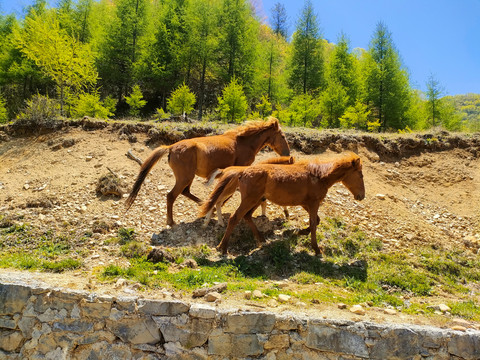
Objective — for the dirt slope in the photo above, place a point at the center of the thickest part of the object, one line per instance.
(414, 196)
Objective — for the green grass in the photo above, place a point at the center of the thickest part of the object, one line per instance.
(354, 269)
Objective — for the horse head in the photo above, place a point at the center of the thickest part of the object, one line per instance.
(353, 179)
(277, 140)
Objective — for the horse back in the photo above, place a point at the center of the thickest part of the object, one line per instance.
(203, 154)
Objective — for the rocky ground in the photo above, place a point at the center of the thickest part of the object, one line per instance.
(420, 190)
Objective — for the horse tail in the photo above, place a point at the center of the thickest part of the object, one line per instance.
(144, 170)
(218, 191)
(216, 173)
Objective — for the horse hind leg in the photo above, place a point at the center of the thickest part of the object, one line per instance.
(186, 192)
(248, 218)
(239, 214)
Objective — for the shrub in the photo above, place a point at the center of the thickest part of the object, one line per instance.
(40, 109)
(135, 101)
(232, 105)
(181, 101)
(91, 105)
(3, 111)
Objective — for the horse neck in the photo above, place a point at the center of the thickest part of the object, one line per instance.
(338, 173)
(249, 146)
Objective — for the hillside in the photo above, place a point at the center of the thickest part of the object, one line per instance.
(423, 191)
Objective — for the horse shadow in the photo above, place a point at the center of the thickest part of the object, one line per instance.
(276, 259)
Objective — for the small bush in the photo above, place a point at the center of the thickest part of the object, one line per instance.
(133, 249)
(126, 235)
(135, 101)
(3, 111)
(40, 109)
(91, 105)
(181, 101)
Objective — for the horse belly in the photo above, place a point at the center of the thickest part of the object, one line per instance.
(212, 156)
(285, 193)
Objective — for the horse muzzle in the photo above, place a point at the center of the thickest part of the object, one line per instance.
(359, 196)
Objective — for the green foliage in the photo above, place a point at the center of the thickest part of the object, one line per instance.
(62, 57)
(40, 110)
(304, 111)
(90, 105)
(355, 116)
(133, 249)
(181, 100)
(126, 235)
(3, 111)
(386, 82)
(264, 108)
(232, 105)
(307, 60)
(68, 50)
(135, 101)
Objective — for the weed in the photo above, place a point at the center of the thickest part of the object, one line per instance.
(133, 249)
(125, 235)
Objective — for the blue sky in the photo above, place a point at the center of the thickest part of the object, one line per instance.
(439, 37)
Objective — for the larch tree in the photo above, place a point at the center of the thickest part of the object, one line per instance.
(203, 41)
(307, 62)
(387, 86)
(60, 56)
(279, 20)
(434, 94)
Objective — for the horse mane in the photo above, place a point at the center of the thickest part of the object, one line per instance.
(253, 127)
(327, 166)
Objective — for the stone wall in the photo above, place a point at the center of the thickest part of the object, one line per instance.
(38, 322)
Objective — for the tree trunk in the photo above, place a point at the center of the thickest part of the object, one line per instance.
(202, 89)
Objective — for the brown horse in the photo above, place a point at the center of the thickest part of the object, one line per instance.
(233, 185)
(201, 156)
(304, 183)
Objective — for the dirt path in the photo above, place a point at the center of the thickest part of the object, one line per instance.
(49, 181)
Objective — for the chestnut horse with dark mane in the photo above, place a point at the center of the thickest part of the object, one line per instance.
(233, 185)
(304, 183)
(202, 155)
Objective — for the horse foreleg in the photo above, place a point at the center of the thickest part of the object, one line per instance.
(314, 220)
(285, 211)
(248, 218)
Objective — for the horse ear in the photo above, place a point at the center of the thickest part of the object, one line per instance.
(356, 163)
(291, 160)
(274, 123)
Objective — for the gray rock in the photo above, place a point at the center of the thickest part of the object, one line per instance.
(162, 308)
(73, 326)
(250, 323)
(465, 346)
(189, 332)
(102, 350)
(135, 330)
(337, 340)
(10, 340)
(13, 298)
(234, 345)
(202, 311)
